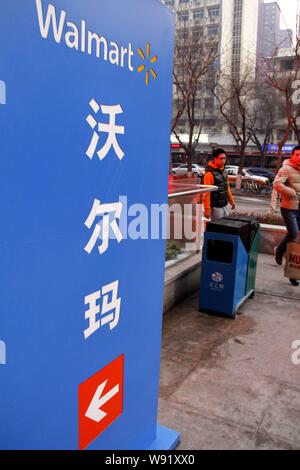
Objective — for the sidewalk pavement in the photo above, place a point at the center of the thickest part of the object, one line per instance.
(231, 384)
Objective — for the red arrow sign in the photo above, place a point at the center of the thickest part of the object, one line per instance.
(100, 401)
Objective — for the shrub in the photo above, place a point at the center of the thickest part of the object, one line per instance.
(172, 251)
(269, 218)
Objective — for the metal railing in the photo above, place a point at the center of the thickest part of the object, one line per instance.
(186, 214)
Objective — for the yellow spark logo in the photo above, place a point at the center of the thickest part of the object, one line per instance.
(143, 66)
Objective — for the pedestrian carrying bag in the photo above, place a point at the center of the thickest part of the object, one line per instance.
(292, 265)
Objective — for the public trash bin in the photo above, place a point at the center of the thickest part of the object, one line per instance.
(229, 264)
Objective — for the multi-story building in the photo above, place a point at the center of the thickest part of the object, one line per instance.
(270, 37)
(286, 39)
(269, 29)
(285, 71)
(234, 25)
(239, 34)
(236, 21)
(198, 22)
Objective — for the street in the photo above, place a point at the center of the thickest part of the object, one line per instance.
(252, 203)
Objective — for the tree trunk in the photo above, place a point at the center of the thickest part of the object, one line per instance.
(281, 144)
(279, 156)
(190, 159)
(297, 133)
(170, 164)
(238, 184)
(242, 157)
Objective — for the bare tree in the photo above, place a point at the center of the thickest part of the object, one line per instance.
(235, 95)
(196, 62)
(263, 118)
(282, 73)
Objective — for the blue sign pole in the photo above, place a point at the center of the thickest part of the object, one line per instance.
(85, 92)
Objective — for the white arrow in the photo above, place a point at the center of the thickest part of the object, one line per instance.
(94, 412)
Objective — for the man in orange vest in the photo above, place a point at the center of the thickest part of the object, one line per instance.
(215, 204)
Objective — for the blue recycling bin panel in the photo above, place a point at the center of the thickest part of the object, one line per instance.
(223, 274)
(85, 112)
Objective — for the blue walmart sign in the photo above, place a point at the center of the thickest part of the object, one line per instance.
(83, 338)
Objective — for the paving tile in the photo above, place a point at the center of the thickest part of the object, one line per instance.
(282, 418)
(203, 433)
(265, 442)
(208, 433)
(175, 369)
(253, 355)
(270, 279)
(240, 398)
(291, 373)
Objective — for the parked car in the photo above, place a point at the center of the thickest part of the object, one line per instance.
(175, 165)
(262, 172)
(231, 167)
(247, 176)
(197, 170)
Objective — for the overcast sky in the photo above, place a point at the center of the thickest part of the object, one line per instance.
(289, 10)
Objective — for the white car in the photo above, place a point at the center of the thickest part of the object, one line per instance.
(232, 172)
(197, 170)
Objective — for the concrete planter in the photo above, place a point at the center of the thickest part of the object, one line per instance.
(181, 280)
(271, 236)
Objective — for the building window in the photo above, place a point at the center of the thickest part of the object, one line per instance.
(180, 71)
(170, 3)
(214, 11)
(198, 14)
(197, 34)
(212, 30)
(287, 65)
(179, 104)
(183, 51)
(183, 35)
(209, 105)
(183, 16)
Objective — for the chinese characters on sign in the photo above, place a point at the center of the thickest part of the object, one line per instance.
(110, 311)
(103, 210)
(217, 284)
(109, 214)
(111, 129)
(104, 305)
(216, 287)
